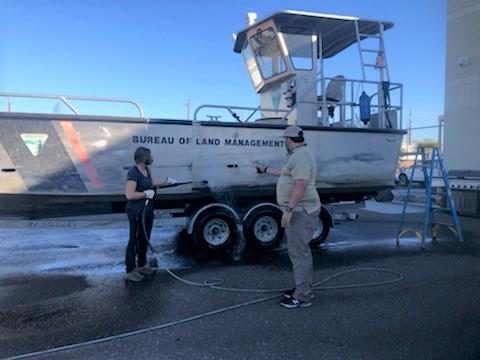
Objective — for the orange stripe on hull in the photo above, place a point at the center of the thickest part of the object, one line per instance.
(81, 153)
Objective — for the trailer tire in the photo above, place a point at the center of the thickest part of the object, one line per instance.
(403, 179)
(214, 230)
(322, 232)
(263, 229)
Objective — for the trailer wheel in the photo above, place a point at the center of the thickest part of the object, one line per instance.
(321, 232)
(214, 230)
(263, 227)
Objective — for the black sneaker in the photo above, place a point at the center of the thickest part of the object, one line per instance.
(293, 303)
(289, 293)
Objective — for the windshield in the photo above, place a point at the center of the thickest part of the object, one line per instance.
(252, 66)
(300, 46)
(267, 52)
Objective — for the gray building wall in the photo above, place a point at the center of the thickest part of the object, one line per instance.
(462, 93)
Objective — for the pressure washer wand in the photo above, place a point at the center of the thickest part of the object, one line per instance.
(173, 185)
(203, 182)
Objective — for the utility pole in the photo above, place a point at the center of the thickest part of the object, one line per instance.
(409, 129)
(187, 104)
(440, 132)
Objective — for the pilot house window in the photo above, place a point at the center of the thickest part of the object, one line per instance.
(300, 46)
(267, 52)
(252, 66)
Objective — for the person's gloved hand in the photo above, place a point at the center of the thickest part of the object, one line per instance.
(149, 194)
(261, 169)
(171, 181)
(286, 218)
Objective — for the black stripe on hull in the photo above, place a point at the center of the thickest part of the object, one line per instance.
(45, 206)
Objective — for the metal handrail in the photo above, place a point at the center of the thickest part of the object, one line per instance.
(352, 81)
(350, 103)
(230, 109)
(65, 98)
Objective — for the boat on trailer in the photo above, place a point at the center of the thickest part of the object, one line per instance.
(54, 164)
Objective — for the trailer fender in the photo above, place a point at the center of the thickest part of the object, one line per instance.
(253, 208)
(199, 212)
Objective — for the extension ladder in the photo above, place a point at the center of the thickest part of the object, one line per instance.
(428, 167)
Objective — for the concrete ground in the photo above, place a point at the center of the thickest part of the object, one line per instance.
(61, 283)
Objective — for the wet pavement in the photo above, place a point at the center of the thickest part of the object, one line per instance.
(61, 283)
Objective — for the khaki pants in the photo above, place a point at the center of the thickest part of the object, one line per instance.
(299, 235)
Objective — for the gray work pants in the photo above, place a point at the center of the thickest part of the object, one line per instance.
(299, 235)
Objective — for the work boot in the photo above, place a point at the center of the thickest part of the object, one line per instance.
(134, 276)
(147, 270)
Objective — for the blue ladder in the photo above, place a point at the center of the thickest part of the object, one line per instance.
(428, 167)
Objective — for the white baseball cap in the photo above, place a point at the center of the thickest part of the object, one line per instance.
(293, 131)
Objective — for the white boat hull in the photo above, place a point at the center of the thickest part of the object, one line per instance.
(91, 156)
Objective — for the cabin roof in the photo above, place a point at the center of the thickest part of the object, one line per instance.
(337, 31)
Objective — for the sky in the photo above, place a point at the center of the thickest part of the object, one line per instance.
(162, 53)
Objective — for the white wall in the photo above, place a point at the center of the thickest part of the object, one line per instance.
(462, 93)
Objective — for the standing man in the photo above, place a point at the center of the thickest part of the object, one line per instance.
(299, 200)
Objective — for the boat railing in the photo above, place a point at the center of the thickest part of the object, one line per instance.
(383, 110)
(66, 99)
(350, 100)
(231, 109)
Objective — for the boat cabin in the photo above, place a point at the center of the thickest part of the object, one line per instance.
(285, 54)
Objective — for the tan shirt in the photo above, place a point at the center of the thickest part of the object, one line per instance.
(301, 165)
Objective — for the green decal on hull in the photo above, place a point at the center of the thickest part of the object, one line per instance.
(34, 142)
